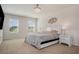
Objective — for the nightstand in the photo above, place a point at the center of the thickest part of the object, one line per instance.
(64, 38)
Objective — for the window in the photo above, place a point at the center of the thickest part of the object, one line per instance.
(14, 25)
(32, 25)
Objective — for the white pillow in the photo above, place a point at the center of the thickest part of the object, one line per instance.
(49, 29)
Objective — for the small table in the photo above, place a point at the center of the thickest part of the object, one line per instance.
(64, 38)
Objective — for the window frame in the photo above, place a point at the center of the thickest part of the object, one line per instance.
(11, 19)
(36, 24)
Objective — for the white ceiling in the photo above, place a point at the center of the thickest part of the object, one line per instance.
(27, 9)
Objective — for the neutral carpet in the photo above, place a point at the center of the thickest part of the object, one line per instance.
(17, 46)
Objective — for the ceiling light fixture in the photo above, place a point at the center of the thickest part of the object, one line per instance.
(37, 9)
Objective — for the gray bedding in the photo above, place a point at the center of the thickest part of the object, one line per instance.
(36, 38)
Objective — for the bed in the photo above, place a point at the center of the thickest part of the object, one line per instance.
(42, 39)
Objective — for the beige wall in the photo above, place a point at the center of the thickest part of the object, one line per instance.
(70, 20)
(22, 28)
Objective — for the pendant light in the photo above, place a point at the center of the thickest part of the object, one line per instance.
(37, 9)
